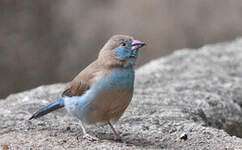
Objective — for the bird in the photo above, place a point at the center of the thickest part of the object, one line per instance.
(102, 91)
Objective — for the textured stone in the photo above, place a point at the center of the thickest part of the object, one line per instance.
(197, 92)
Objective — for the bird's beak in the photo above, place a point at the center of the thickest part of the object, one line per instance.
(137, 44)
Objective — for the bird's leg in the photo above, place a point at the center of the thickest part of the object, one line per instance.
(118, 138)
(86, 135)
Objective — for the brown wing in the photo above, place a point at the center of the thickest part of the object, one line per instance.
(82, 81)
(75, 89)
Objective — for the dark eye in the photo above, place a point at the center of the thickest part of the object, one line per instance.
(123, 44)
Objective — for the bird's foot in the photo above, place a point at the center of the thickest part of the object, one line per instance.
(90, 137)
(118, 139)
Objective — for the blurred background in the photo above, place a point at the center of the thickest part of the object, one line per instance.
(44, 42)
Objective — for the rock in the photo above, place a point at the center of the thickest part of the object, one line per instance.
(197, 92)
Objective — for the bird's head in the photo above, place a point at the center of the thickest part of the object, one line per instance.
(121, 50)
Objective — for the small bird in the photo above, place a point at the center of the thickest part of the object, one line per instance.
(102, 91)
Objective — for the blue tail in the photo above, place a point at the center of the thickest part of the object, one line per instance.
(49, 108)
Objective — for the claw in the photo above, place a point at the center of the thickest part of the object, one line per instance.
(90, 137)
(118, 139)
(117, 136)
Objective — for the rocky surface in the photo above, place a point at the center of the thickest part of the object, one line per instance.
(198, 92)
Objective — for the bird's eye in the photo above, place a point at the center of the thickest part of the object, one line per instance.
(123, 44)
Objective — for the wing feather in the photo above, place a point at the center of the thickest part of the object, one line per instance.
(83, 81)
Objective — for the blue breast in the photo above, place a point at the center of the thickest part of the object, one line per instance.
(118, 79)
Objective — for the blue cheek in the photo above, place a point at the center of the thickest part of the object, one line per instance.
(122, 52)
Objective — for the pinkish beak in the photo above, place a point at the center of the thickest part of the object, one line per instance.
(136, 45)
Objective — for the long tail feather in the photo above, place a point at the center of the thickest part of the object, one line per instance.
(49, 108)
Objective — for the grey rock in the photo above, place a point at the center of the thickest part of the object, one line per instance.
(197, 92)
